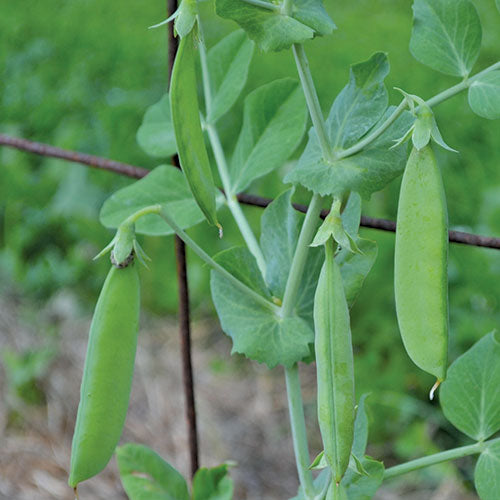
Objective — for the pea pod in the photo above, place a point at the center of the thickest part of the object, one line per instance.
(187, 126)
(334, 366)
(107, 376)
(421, 254)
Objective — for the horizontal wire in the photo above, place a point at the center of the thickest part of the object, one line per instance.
(247, 199)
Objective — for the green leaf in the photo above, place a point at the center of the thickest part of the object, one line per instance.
(191, 148)
(366, 172)
(351, 216)
(487, 473)
(320, 462)
(186, 17)
(273, 31)
(498, 5)
(446, 35)
(484, 95)
(359, 108)
(320, 484)
(228, 64)
(156, 134)
(360, 486)
(361, 103)
(355, 267)
(360, 429)
(281, 225)
(274, 121)
(470, 396)
(146, 476)
(165, 185)
(213, 484)
(256, 331)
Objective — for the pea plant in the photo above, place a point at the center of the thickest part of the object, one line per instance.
(285, 297)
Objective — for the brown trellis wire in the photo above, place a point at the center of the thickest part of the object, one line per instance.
(183, 290)
(247, 199)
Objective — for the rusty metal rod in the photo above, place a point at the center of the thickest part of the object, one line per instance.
(183, 291)
(247, 199)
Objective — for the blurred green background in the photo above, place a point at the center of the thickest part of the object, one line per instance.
(79, 74)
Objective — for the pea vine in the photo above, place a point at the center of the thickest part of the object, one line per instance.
(285, 298)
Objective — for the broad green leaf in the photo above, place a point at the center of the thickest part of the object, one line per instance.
(360, 486)
(360, 429)
(470, 395)
(484, 95)
(273, 31)
(361, 103)
(186, 17)
(191, 148)
(334, 366)
(156, 134)
(351, 216)
(146, 476)
(446, 35)
(165, 185)
(498, 5)
(228, 64)
(274, 121)
(213, 484)
(366, 172)
(487, 473)
(355, 267)
(256, 331)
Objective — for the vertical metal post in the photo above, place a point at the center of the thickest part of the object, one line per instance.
(184, 319)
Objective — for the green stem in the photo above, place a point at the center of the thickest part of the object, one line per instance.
(296, 409)
(222, 166)
(312, 101)
(433, 101)
(300, 256)
(263, 4)
(132, 219)
(438, 458)
(217, 267)
(287, 7)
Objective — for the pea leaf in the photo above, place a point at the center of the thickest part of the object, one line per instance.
(366, 172)
(213, 484)
(487, 473)
(228, 64)
(273, 31)
(360, 106)
(470, 396)
(360, 429)
(256, 331)
(355, 267)
(498, 5)
(360, 486)
(274, 121)
(446, 35)
(165, 185)
(146, 476)
(361, 103)
(156, 134)
(484, 95)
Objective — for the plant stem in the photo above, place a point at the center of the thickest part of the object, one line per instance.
(231, 200)
(263, 4)
(222, 166)
(437, 458)
(312, 101)
(287, 7)
(297, 421)
(433, 101)
(300, 256)
(217, 267)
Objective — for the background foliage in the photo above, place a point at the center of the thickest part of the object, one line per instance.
(80, 74)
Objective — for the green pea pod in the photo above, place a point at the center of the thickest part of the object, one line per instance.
(421, 254)
(334, 366)
(107, 376)
(188, 134)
